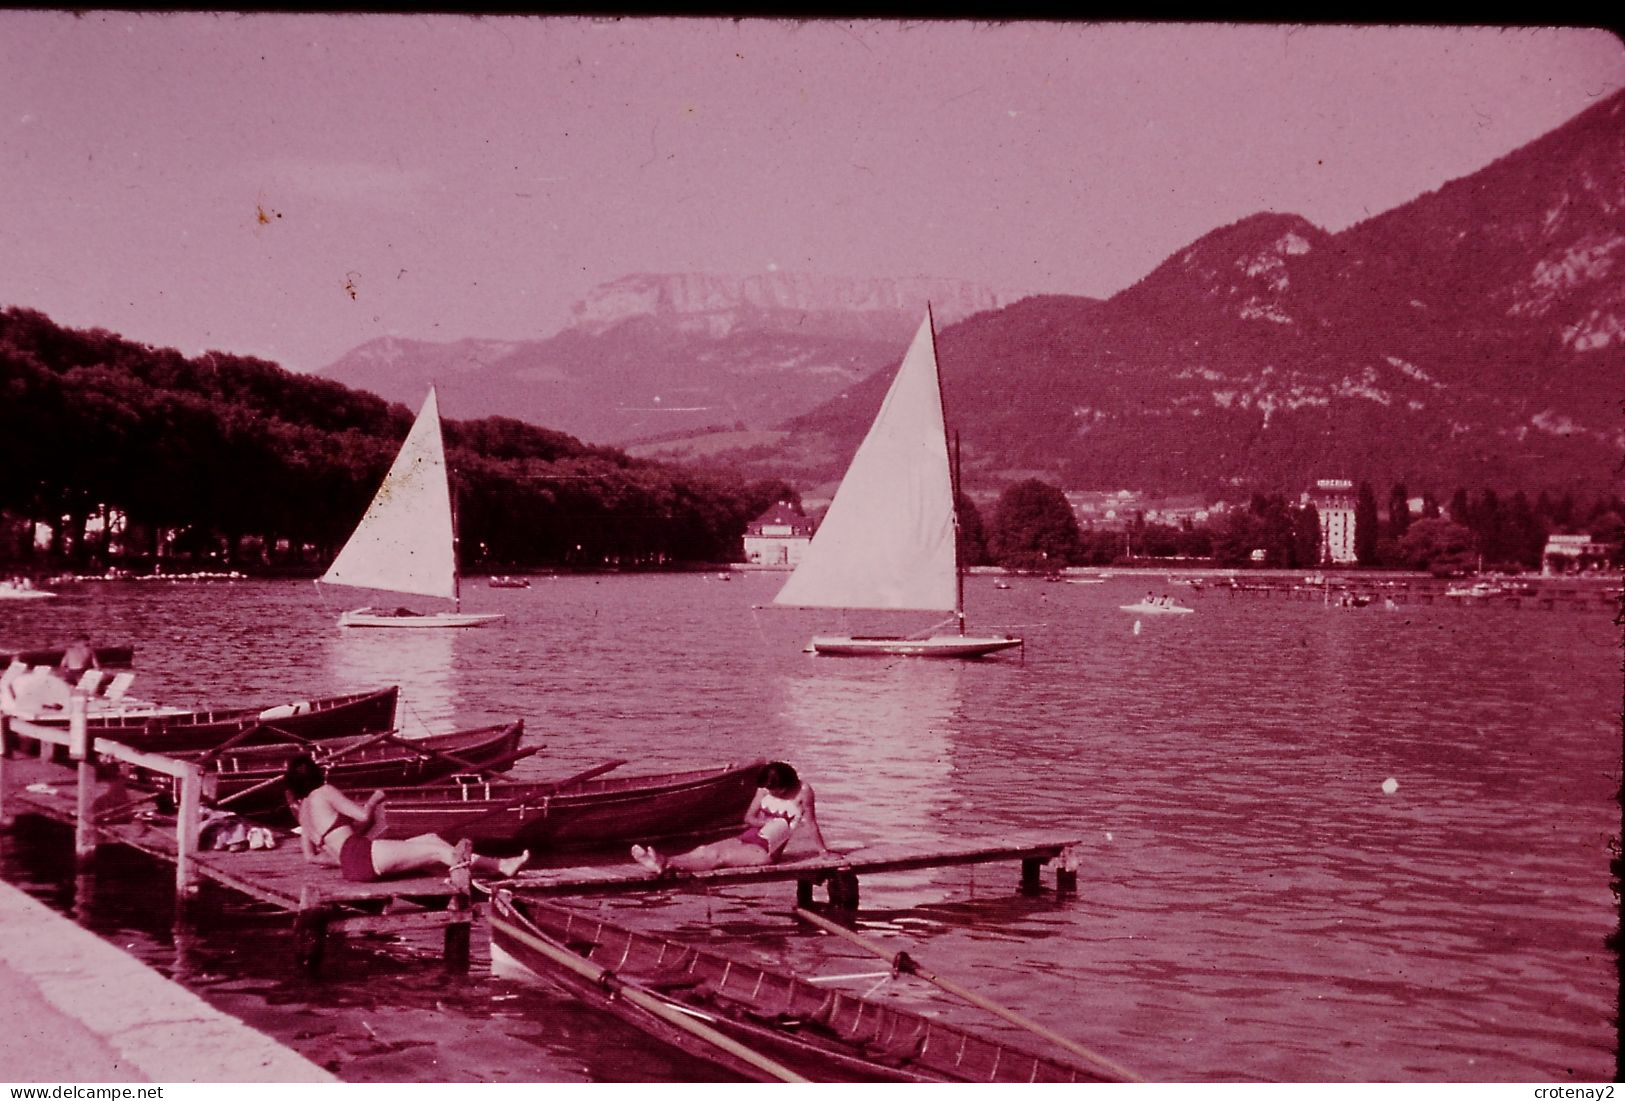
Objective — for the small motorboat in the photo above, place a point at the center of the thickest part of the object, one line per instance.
(23, 590)
(1158, 607)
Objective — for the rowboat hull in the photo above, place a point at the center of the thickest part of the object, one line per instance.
(591, 814)
(408, 621)
(1157, 609)
(199, 731)
(244, 780)
(822, 1034)
(938, 646)
(179, 732)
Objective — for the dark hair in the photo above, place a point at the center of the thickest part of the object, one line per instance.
(303, 776)
(778, 776)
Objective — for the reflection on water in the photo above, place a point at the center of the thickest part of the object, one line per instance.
(1253, 902)
(420, 661)
(876, 736)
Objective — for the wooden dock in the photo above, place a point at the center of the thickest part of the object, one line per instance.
(1375, 591)
(839, 872)
(319, 899)
(322, 902)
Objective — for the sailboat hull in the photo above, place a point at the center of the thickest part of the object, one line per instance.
(372, 617)
(938, 646)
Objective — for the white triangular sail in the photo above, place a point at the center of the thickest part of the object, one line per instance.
(888, 538)
(404, 543)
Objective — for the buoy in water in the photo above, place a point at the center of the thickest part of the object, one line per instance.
(1136, 626)
(1389, 786)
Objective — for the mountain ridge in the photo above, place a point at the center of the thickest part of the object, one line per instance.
(653, 354)
(1474, 335)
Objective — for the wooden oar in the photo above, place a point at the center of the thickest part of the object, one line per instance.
(674, 1017)
(506, 761)
(230, 743)
(325, 762)
(903, 962)
(439, 754)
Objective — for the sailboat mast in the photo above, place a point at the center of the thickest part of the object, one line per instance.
(952, 457)
(451, 495)
(959, 565)
(456, 573)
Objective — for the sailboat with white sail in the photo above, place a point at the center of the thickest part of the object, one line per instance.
(407, 539)
(890, 538)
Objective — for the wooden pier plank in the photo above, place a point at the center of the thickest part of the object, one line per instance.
(595, 879)
(278, 876)
(321, 900)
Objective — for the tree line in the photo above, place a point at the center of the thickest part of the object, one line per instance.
(126, 452)
(1033, 528)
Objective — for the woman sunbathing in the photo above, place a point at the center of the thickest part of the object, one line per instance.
(782, 807)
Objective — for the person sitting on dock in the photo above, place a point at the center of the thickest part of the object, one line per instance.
(781, 808)
(78, 657)
(333, 825)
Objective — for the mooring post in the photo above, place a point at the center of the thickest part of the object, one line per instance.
(459, 933)
(1066, 872)
(84, 819)
(5, 755)
(804, 892)
(310, 929)
(1032, 880)
(186, 831)
(843, 890)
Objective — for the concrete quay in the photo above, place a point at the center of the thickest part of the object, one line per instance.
(76, 1010)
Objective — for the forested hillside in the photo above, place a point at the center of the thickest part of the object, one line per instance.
(1474, 336)
(236, 460)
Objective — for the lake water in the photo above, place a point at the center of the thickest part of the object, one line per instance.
(1252, 904)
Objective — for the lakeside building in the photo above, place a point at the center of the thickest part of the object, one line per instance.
(1567, 554)
(1333, 499)
(1098, 510)
(778, 537)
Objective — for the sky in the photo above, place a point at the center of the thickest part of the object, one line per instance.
(291, 186)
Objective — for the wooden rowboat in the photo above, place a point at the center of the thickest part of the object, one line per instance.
(345, 716)
(178, 732)
(760, 1024)
(248, 780)
(577, 814)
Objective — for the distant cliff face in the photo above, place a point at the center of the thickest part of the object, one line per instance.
(1473, 337)
(719, 306)
(657, 355)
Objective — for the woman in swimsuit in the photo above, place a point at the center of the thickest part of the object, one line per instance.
(332, 828)
(781, 808)
(79, 656)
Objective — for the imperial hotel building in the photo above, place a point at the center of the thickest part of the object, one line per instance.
(1333, 499)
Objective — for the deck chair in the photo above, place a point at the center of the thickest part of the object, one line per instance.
(119, 685)
(89, 681)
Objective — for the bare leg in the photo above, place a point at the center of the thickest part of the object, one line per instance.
(392, 858)
(731, 853)
(428, 850)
